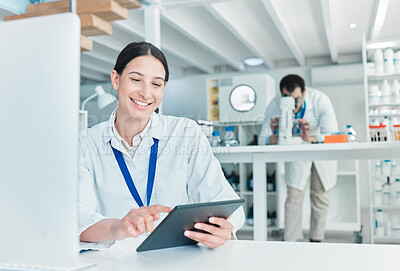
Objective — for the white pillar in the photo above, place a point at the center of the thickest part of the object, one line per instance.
(152, 29)
(152, 25)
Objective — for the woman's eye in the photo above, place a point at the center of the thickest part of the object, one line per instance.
(135, 79)
(157, 84)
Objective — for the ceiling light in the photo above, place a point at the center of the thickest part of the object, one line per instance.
(253, 61)
(352, 25)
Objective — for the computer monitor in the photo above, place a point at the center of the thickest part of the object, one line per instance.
(39, 103)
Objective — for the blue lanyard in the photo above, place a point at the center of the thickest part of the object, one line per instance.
(150, 176)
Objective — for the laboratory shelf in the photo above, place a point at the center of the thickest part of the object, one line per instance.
(379, 77)
(386, 239)
(384, 104)
(384, 115)
(381, 44)
(346, 173)
(387, 207)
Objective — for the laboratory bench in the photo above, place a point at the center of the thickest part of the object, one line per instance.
(258, 156)
(247, 255)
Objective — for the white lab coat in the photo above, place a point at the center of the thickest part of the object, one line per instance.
(186, 171)
(321, 115)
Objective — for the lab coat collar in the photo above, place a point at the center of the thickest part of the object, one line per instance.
(156, 130)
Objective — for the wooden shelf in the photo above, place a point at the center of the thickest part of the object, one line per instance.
(86, 44)
(92, 25)
(129, 4)
(108, 10)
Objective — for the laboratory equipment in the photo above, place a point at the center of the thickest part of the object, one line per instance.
(373, 94)
(286, 120)
(216, 139)
(377, 193)
(397, 188)
(386, 193)
(395, 218)
(351, 133)
(378, 167)
(103, 100)
(229, 137)
(388, 60)
(386, 92)
(378, 60)
(379, 223)
(386, 168)
(396, 62)
(396, 91)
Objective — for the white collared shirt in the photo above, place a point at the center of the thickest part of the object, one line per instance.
(135, 140)
(186, 171)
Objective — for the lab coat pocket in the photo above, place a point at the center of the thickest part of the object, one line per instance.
(170, 187)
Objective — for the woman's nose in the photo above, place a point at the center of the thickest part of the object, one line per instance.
(145, 91)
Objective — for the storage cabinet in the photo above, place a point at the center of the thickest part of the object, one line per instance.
(382, 107)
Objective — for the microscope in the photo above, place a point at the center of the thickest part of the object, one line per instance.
(287, 122)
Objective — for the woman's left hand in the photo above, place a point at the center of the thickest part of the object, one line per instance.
(220, 232)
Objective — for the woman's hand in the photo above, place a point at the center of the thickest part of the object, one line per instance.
(219, 232)
(138, 221)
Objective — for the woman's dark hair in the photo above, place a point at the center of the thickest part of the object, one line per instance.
(136, 49)
(292, 81)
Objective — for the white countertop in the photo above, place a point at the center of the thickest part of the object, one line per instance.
(248, 255)
(333, 151)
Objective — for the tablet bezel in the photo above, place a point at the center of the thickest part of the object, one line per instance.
(170, 232)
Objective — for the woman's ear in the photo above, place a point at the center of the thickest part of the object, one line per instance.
(115, 79)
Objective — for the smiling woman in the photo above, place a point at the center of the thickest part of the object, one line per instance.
(136, 150)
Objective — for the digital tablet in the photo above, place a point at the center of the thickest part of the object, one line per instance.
(170, 232)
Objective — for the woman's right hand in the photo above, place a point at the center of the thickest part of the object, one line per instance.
(138, 221)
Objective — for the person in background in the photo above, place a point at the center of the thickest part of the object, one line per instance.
(316, 116)
(139, 164)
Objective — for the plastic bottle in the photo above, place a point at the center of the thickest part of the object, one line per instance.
(379, 223)
(216, 139)
(396, 91)
(351, 133)
(388, 60)
(396, 62)
(395, 218)
(393, 192)
(378, 60)
(250, 220)
(388, 226)
(377, 193)
(378, 167)
(386, 168)
(386, 193)
(386, 92)
(373, 94)
(229, 137)
(385, 130)
(394, 167)
(397, 188)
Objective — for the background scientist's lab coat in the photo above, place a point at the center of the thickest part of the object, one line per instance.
(321, 115)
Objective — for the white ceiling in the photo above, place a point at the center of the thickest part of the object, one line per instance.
(207, 36)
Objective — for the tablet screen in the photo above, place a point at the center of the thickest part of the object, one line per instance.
(170, 232)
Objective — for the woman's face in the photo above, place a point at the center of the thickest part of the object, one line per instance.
(140, 87)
